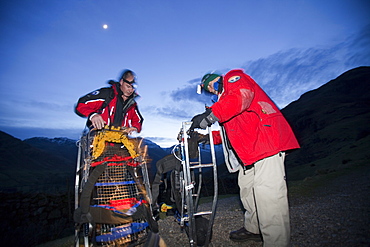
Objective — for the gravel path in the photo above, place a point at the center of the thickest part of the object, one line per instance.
(335, 215)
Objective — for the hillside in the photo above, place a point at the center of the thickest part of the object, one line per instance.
(332, 124)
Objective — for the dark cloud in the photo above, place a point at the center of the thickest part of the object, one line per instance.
(195, 81)
(190, 93)
(184, 102)
(181, 110)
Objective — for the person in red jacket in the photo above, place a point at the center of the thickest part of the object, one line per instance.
(113, 106)
(255, 136)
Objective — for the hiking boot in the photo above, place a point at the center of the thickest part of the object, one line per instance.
(242, 235)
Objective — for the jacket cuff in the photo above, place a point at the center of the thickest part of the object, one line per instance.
(211, 118)
(92, 114)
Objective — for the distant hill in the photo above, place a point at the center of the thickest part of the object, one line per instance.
(61, 147)
(155, 153)
(27, 168)
(67, 148)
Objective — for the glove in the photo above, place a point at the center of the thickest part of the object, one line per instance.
(203, 120)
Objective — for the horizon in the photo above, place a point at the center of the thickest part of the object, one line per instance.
(160, 141)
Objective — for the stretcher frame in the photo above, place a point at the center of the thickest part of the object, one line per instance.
(190, 191)
(134, 194)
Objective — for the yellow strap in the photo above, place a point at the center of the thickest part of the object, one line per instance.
(112, 135)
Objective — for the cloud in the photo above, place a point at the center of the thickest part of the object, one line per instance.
(29, 132)
(181, 110)
(182, 103)
(190, 93)
(360, 48)
(25, 113)
(38, 106)
(287, 74)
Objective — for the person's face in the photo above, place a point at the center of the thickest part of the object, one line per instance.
(210, 88)
(126, 88)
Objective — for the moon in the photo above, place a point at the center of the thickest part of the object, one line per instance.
(105, 26)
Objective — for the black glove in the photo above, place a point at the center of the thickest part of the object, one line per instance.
(203, 120)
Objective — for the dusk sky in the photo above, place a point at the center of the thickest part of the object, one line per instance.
(52, 52)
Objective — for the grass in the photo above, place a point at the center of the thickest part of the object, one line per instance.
(210, 198)
(309, 185)
(63, 242)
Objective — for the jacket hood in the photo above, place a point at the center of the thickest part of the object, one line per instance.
(234, 79)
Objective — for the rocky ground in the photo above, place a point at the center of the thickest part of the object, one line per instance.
(337, 214)
(334, 212)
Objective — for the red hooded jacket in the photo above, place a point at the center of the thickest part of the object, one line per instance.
(254, 125)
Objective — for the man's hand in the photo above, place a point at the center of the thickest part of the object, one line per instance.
(203, 120)
(97, 121)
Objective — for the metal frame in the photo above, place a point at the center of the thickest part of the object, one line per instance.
(82, 174)
(190, 191)
(83, 168)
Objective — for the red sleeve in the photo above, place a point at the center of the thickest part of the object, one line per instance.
(135, 119)
(87, 108)
(232, 104)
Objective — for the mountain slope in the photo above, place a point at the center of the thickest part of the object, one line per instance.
(332, 124)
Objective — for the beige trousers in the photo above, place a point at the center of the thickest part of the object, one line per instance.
(263, 192)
